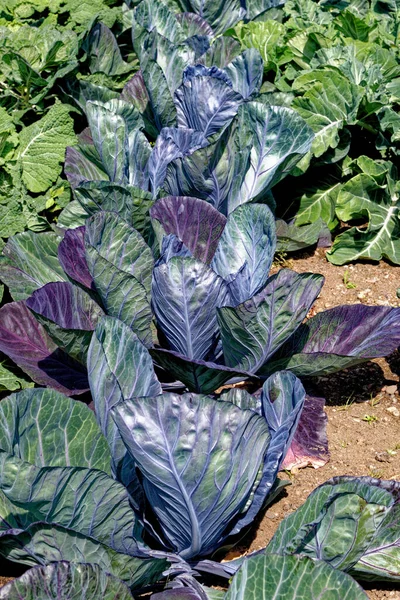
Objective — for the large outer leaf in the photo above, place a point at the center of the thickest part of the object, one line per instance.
(246, 250)
(220, 14)
(355, 517)
(193, 221)
(120, 263)
(12, 379)
(43, 543)
(72, 257)
(282, 401)
(338, 338)
(72, 216)
(275, 139)
(198, 375)
(181, 593)
(26, 342)
(139, 154)
(319, 201)
(119, 367)
(253, 331)
(185, 296)
(31, 262)
(291, 237)
(85, 500)
(208, 456)
(330, 102)
(103, 52)
(363, 197)
(43, 143)
(67, 305)
(111, 126)
(172, 143)
(90, 92)
(193, 25)
(66, 581)
(47, 429)
(68, 314)
(291, 578)
(206, 101)
(135, 92)
(159, 94)
(254, 8)
(246, 73)
(174, 59)
(210, 173)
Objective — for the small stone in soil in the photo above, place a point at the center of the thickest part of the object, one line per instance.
(382, 457)
(391, 389)
(394, 411)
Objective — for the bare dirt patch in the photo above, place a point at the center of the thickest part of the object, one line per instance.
(362, 403)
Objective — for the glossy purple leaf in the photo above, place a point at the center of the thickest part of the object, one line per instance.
(309, 446)
(71, 254)
(26, 342)
(206, 101)
(199, 459)
(338, 338)
(198, 375)
(253, 331)
(282, 400)
(193, 221)
(66, 305)
(185, 296)
(80, 166)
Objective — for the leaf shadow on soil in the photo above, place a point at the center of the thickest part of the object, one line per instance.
(357, 384)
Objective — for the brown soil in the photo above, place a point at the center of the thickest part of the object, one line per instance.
(364, 436)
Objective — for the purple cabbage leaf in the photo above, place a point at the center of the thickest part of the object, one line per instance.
(339, 338)
(309, 446)
(68, 314)
(26, 342)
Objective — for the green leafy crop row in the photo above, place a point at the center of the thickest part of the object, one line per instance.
(337, 64)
